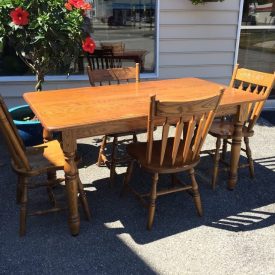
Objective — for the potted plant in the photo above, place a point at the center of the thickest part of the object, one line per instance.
(46, 35)
(196, 2)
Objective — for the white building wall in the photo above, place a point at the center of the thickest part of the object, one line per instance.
(194, 41)
(198, 40)
(12, 91)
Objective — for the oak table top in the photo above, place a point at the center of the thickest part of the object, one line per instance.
(92, 111)
(71, 108)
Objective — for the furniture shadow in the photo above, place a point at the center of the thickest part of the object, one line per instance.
(268, 117)
(251, 205)
(238, 210)
(89, 151)
(104, 244)
(88, 154)
(96, 250)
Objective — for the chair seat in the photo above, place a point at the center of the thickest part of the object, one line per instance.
(46, 156)
(225, 130)
(138, 152)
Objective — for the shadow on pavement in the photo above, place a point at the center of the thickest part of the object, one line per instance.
(48, 247)
(238, 210)
(101, 246)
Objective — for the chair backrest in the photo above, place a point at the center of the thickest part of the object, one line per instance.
(192, 119)
(251, 81)
(100, 76)
(113, 76)
(103, 59)
(116, 47)
(13, 140)
(127, 73)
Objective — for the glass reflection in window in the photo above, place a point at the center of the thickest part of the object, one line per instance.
(257, 39)
(125, 26)
(128, 28)
(260, 12)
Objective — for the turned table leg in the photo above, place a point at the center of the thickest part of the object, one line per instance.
(71, 181)
(235, 155)
(236, 145)
(48, 136)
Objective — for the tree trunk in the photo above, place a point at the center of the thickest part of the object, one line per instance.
(39, 81)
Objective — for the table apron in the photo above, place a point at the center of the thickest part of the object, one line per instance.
(129, 125)
(227, 110)
(105, 128)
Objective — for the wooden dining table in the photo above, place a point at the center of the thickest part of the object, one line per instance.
(92, 111)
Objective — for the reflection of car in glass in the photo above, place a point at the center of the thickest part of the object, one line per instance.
(150, 19)
(116, 20)
(110, 21)
(261, 14)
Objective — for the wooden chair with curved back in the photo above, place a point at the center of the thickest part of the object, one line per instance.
(246, 81)
(108, 77)
(103, 59)
(29, 162)
(175, 152)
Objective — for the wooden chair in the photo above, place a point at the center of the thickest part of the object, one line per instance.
(116, 47)
(113, 76)
(176, 152)
(103, 59)
(246, 81)
(29, 162)
(101, 77)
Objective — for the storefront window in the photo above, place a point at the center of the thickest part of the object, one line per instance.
(127, 26)
(257, 40)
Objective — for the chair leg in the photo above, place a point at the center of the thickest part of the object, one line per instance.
(19, 190)
(135, 138)
(101, 151)
(173, 180)
(152, 203)
(51, 196)
(51, 177)
(84, 200)
(216, 163)
(196, 194)
(224, 149)
(249, 157)
(127, 177)
(113, 162)
(23, 207)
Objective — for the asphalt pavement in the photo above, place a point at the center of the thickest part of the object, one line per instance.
(236, 235)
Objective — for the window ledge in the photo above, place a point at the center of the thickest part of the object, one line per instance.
(47, 78)
(59, 78)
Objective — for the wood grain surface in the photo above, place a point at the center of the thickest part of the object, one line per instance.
(74, 108)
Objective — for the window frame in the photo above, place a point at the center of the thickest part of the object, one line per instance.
(241, 27)
(84, 77)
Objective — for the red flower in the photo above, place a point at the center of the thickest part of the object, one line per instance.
(80, 4)
(88, 45)
(20, 16)
(86, 6)
(68, 6)
(76, 3)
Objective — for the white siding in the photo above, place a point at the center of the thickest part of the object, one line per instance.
(197, 40)
(12, 91)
